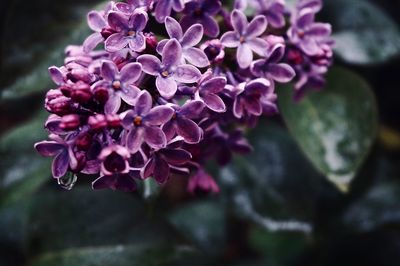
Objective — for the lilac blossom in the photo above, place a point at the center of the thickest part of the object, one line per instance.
(245, 37)
(164, 7)
(182, 124)
(214, 50)
(120, 84)
(201, 181)
(203, 12)
(143, 123)
(115, 170)
(129, 31)
(187, 40)
(97, 23)
(207, 90)
(170, 70)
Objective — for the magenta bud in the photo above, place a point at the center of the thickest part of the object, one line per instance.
(83, 141)
(101, 94)
(81, 92)
(106, 32)
(70, 122)
(57, 103)
(113, 121)
(97, 122)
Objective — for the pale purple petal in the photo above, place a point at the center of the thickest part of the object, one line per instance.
(189, 130)
(187, 74)
(256, 27)
(244, 55)
(155, 137)
(150, 64)
(130, 73)
(310, 46)
(172, 53)
(159, 115)
(160, 46)
(134, 139)
(230, 39)
(49, 148)
(138, 21)
(214, 103)
(196, 57)
(163, 9)
(178, 5)
(166, 86)
(113, 104)
(210, 26)
(192, 109)
(56, 75)
(258, 45)
(192, 35)
(239, 21)
(116, 42)
(130, 94)
(96, 21)
(305, 19)
(138, 43)
(213, 85)
(117, 21)
(319, 29)
(92, 41)
(143, 103)
(60, 164)
(281, 72)
(109, 70)
(237, 109)
(173, 28)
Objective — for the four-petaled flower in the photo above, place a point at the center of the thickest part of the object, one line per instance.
(188, 40)
(163, 8)
(143, 123)
(207, 90)
(120, 84)
(245, 37)
(170, 70)
(129, 31)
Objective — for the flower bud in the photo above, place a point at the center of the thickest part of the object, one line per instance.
(81, 92)
(100, 94)
(97, 122)
(70, 122)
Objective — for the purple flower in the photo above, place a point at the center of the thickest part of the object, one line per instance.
(115, 170)
(61, 151)
(143, 123)
(247, 97)
(182, 123)
(170, 70)
(271, 69)
(214, 50)
(201, 181)
(245, 37)
(97, 23)
(187, 40)
(129, 31)
(162, 161)
(208, 89)
(203, 12)
(120, 84)
(163, 8)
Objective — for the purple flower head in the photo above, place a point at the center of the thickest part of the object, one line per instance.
(202, 182)
(129, 31)
(245, 37)
(308, 35)
(162, 161)
(61, 151)
(115, 170)
(208, 89)
(271, 68)
(164, 7)
(182, 124)
(214, 50)
(203, 12)
(143, 123)
(170, 70)
(247, 97)
(187, 40)
(120, 84)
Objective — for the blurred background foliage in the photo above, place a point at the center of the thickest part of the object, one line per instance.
(321, 188)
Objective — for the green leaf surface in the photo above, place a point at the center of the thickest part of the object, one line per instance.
(334, 127)
(364, 34)
(203, 223)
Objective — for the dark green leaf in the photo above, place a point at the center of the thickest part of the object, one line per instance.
(364, 34)
(336, 126)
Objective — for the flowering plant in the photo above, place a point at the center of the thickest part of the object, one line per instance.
(164, 86)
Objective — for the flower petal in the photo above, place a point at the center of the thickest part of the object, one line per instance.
(150, 64)
(244, 55)
(130, 94)
(176, 156)
(214, 103)
(173, 28)
(239, 21)
(96, 21)
(113, 104)
(134, 139)
(56, 75)
(169, 129)
(196, 57)
(148, 168)
(163, 9)
(159, 115)
(166, 86)
(192, 36)
(161, 171)
(187, 74)
(155, 137)
(117, 21)
(104, 182)
(138, 43)
(138, 21)
(213, 85)
(92, 41)
(192, 109)
(143, 103)
(131, 73)
(210, 26)
(49, 148)
(281, 72)
(256, 27)
(60, 164)
(188, 130)
(238, 108)
(230, 39)
(258, 45)
(116, 42)
(160, 46)
(172, 53)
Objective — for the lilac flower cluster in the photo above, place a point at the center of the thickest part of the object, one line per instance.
(159, 89)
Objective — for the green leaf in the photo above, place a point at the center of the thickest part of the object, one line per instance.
(203, 223)
(334, 127)
(364, 34)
